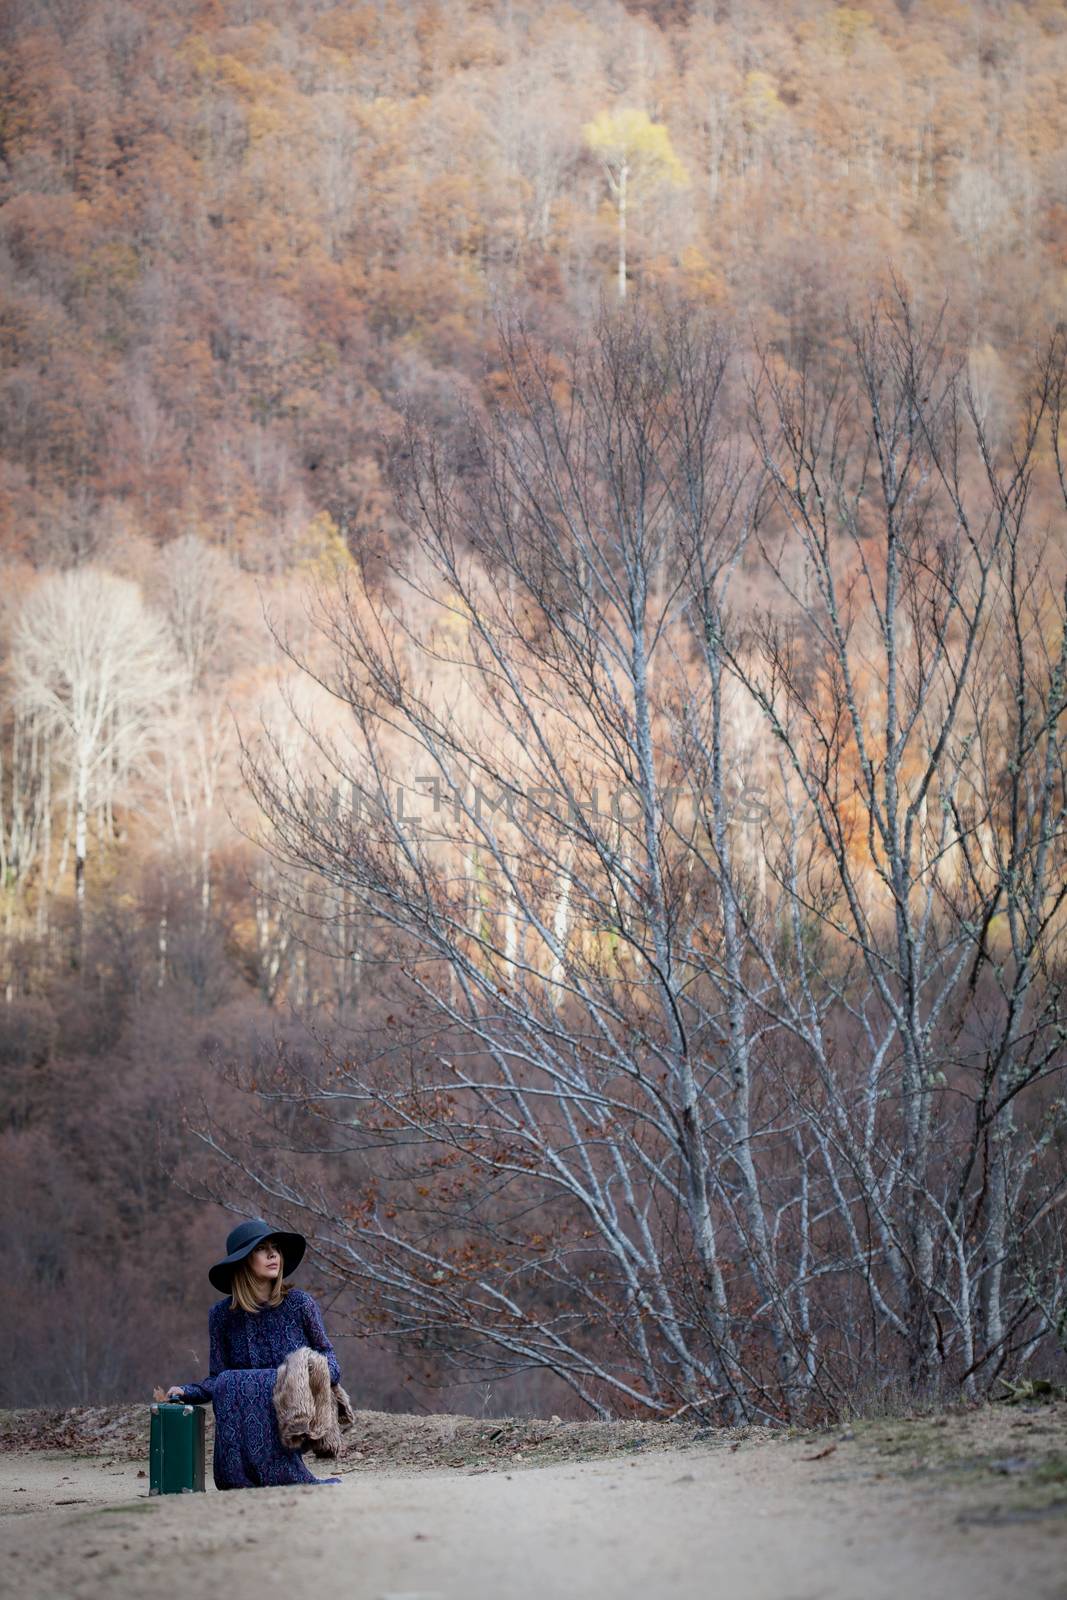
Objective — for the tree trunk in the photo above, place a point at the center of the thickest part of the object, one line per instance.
(81, 819)
(623, 174)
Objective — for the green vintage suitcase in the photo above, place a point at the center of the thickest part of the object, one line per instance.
(176, 1449)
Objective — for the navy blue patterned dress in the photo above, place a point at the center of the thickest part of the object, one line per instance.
(247, 1347)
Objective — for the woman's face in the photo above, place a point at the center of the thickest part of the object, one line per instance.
(265, 1260)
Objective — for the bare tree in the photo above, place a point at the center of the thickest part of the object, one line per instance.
(24, 793)
(95, 669)
(24, 766)
(194, 585)
(912, 672)
(694, 1102)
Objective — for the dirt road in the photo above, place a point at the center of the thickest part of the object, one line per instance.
(765, 1520)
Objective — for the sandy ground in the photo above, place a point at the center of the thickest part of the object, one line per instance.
(764, 1520)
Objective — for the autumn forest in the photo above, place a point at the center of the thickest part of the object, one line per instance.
(533, 693)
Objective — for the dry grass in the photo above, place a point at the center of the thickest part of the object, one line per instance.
(996, 1462)
(381, 1439)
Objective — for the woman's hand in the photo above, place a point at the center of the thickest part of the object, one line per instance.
(174, 1391)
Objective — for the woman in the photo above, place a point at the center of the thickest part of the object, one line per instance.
(261, 1320)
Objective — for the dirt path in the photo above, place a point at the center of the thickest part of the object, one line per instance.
(766, 1520)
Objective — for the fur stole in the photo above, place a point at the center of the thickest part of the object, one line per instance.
(311, 1411)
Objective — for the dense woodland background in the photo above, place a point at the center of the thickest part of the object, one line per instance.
(238, 240)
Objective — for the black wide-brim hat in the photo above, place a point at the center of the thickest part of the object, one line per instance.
(242, 1240)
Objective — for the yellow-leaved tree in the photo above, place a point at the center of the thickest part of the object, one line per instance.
(638, 157)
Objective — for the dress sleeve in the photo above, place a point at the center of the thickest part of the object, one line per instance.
(200, 1393)
(315, 1332)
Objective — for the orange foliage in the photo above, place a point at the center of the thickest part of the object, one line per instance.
(288, 220)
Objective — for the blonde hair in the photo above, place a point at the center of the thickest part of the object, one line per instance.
(243, 1294)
